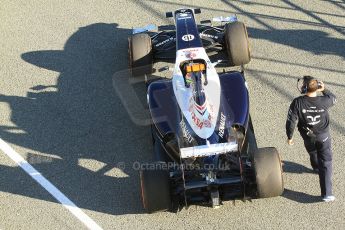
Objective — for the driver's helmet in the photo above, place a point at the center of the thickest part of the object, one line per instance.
(195, 78)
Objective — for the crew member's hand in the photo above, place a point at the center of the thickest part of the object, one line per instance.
(290, 141)
(322, 87)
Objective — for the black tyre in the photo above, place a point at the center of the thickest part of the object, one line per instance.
(155, 189)
(237, 45)
(268, 172)
(140, 54)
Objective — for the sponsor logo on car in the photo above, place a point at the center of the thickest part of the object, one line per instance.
(181, 18)
(197, 121)
(164, 42)
(221, 125)
(208, 35)
(188, 37)
(185, 132)
(191, 55)
(207, 123)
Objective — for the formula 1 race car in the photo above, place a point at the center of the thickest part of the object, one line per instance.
(203, 137)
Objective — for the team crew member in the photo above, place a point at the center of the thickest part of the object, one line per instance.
(311, 111)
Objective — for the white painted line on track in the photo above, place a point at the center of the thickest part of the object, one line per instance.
(37, 176)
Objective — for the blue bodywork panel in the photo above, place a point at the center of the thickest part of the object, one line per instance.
(163, 106)
(166, 113)
(187, 34)
(235, 94)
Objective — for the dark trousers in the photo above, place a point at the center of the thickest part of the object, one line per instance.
(320, 152)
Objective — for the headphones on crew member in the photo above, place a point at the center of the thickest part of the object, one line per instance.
(306, 80)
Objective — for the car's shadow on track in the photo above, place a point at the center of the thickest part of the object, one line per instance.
(88, 140)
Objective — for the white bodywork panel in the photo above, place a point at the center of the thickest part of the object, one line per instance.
(203, 125)
(208, 150)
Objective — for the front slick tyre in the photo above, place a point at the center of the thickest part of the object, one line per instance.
(155, 188)
(268, 172)
(140, 54)
(236, 42)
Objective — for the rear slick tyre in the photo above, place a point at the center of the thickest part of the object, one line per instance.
(155, 189)
(268, 173)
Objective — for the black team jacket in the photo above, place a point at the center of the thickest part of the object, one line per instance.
(311, 113)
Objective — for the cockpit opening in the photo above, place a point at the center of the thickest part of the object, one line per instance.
(194, 71)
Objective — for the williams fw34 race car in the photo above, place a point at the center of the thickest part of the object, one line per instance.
(204, 142)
